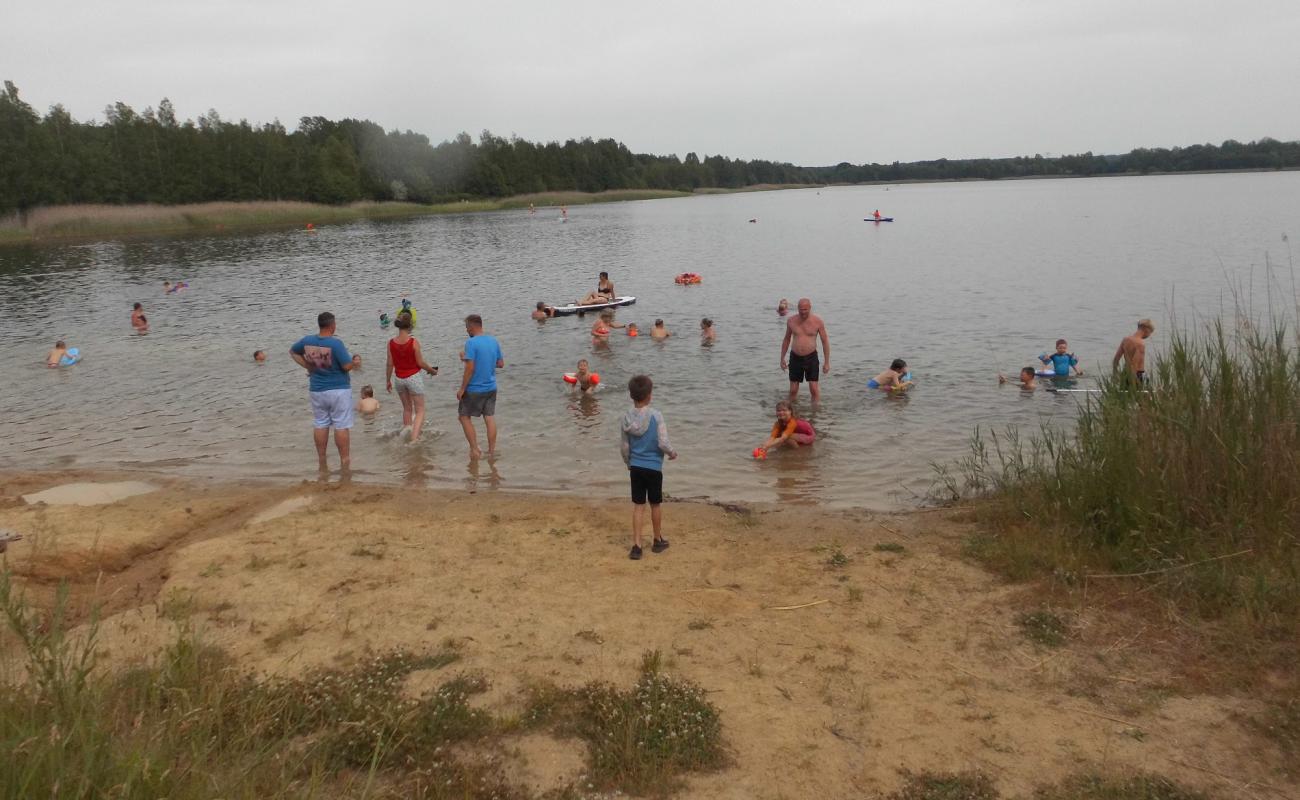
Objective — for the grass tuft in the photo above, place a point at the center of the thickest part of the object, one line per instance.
(1043, 627)
(640, 739)
(946, 786)
(1136, 787)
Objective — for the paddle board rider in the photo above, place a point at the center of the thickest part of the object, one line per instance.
(803, 330)
(604, 292)
(876, 213)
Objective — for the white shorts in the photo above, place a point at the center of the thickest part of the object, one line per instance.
(412, 384)
(332, 409)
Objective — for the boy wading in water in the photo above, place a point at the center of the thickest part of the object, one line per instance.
(644, 444)
(1134, 351)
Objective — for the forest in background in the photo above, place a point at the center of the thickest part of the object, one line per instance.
(151, 156)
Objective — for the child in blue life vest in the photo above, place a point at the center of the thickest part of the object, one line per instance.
(1062, 361)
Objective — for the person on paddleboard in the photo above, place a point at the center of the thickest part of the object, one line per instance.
(876, 213)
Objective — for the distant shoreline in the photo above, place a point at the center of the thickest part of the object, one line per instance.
(57, 224)
(71, 223)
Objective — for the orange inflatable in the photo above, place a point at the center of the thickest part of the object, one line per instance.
(688, 278)
(570, 377)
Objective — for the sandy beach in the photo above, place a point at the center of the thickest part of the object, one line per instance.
(840, 647)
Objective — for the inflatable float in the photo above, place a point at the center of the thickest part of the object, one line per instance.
(72, 356)
(574, 308)
(688, 279)
(1049, 373)
(874, 384)
(572, 377)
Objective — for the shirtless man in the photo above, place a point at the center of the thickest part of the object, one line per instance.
(138, 320)
(1134, 351)
(805, 328)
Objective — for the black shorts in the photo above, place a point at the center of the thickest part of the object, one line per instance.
(646, 484)
(804, 368)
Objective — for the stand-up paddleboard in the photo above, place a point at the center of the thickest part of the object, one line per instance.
(573, 308)
(873, 219)
(72, 356)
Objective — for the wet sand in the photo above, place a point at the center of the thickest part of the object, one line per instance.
(840, 646)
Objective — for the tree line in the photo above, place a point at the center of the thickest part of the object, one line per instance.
(151, 156)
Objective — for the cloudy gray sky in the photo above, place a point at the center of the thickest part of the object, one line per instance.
(811, 83)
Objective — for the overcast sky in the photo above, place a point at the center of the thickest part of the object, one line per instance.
(807, 82)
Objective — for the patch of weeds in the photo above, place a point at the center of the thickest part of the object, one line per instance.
(495, 519)
(559, 533)
(212, 570)
(1043, 627)
(640, 739)
(177, 606)
(837, 559)
(1281, 725)
(888, 547)
(256, 563)
(589, 635)
(291, 630)
(699, 624)
(365, 552)
(855, 594)
(1134, 787)
(946, 786)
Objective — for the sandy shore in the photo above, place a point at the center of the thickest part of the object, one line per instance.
(840, 647)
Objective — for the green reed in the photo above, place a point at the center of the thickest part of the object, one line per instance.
(1193, 482)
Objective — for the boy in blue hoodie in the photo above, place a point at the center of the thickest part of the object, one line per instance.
(644, 443)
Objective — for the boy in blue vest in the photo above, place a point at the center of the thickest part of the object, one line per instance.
(1062, 361)
(644, 443)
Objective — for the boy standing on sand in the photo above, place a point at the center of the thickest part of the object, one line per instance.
(644, 443)
(1133, 349)
(478, 385)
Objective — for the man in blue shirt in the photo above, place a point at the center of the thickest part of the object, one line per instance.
(478, 386)
(328, 363)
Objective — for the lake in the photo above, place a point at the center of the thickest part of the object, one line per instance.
(970, 279)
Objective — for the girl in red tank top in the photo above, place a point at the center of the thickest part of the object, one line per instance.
(405, 362)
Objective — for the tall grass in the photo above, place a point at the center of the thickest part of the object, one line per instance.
(1193, 485)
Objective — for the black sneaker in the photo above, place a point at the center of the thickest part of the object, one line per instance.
(635, 555)
(659, 546)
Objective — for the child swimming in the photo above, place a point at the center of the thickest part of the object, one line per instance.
(1062, 360)
(367, 404)
(787, 431)
(1026, 381)
(60, 350)
(894, 379)
(659, 332)
(632, 329)
(259, 356)
(383, 319)
(707, 334)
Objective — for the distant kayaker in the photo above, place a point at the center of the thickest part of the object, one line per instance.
(876, 213)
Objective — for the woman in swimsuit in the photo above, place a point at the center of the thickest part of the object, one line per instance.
(600, 331)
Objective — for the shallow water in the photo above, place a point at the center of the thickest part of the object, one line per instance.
(972, 278)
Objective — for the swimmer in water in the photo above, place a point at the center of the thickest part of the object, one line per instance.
(586, 383)
(138, 319)
(1026, 381)
(259, 356)
(383, 319)
(367, 404)
(604, 324)
(167, 287)
(783, 307)
(543, 311)
(893, 379)
(707, 334)
(789, 430)
(659, 332)
(60, 350)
